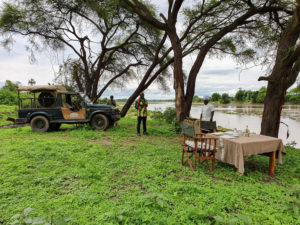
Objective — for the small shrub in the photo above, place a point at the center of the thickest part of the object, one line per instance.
(169, 116)
(157, 115)
(291, 144)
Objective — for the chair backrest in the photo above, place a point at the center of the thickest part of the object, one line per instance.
(188, 129)
(207, 125)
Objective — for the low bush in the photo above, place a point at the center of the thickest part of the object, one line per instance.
(169, 116)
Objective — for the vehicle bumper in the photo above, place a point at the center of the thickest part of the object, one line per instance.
(21, 120)
(116, 117)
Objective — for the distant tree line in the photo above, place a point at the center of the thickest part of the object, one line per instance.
(9, 96)
(241, 96)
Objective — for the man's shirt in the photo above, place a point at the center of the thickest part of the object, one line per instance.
(206, 112)
(141, 106)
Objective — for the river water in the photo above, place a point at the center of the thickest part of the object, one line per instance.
(238, 116)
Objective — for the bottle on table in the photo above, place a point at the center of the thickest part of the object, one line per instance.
(247, 132)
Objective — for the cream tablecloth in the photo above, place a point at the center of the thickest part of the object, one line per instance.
(234, 150)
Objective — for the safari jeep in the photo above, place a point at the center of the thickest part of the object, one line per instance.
(47, 107)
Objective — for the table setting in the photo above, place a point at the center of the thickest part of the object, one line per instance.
(233, 146)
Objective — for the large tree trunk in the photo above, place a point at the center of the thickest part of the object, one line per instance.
(284, 75)
(272, 109)
(191, 84)
(180, 101)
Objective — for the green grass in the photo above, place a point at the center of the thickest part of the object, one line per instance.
(114, 177)
(7, 111)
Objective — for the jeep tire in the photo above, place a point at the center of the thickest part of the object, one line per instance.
(100, 122)
(39, 124)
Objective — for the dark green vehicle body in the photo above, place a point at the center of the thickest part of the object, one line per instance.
(56, 113)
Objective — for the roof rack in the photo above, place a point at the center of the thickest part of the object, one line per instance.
(40, 88)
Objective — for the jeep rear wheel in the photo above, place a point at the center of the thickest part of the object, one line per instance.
(39, 124)
(100, 122)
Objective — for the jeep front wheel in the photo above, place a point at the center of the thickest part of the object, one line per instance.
(39, 124)
(100, 122)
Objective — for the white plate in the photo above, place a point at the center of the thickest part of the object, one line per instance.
(229, 132)
(218, 133)
(227, 137)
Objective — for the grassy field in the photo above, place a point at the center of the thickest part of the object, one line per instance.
(87, 177)
(7, 111)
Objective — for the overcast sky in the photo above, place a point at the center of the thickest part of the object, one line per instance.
(216, 75)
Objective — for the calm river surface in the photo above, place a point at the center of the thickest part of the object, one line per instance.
(238, 116)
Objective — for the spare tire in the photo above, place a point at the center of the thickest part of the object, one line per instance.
(46, 99)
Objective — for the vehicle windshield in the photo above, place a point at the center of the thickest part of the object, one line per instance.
(85, 98)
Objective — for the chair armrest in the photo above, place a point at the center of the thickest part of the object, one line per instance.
(204, 138)
(204, 130)
(191, 118)
(200, 135)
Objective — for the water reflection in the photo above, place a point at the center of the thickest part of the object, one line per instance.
(238, 116)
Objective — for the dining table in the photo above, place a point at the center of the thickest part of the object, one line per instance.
(232, 149)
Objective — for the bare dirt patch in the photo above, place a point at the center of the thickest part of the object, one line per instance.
(104, 142)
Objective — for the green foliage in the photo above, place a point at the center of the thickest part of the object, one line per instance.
(169, 116)
(242, 43)
(10, 15)
(261, 95)
(240, 95)
(102, 101)
(197, 99)
(293, 95)
(227, 44)
(8, 97)
(225, 99)
(10, 85)
(7, 111)
(215, 97)
(8, 94)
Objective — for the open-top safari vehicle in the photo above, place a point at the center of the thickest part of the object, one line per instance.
(47, 107)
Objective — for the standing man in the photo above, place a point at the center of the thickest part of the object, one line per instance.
(112, 101)
(208, 110)
(141, 105)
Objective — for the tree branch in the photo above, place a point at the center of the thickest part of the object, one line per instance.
(144, 13)
(115, 77)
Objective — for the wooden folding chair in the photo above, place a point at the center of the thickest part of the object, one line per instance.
(197, 146)
(207, 148)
